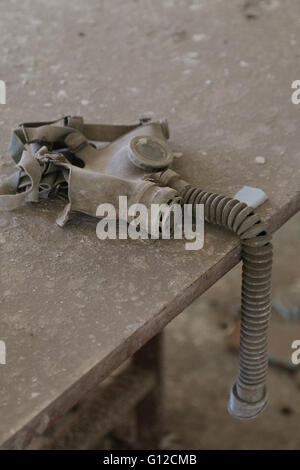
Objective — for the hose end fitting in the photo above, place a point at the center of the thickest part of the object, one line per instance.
(242, 409)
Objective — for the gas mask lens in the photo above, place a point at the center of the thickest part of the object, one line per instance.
(149, 153)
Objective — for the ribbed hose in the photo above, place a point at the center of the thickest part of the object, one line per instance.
(248, 396)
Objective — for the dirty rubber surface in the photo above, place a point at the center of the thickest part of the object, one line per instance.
(224, 83)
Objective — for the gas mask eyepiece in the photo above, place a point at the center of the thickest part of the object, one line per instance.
(149, 153)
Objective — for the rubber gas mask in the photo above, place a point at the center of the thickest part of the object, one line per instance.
(69, 159)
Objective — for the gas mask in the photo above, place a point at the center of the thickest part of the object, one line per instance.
(67, 157)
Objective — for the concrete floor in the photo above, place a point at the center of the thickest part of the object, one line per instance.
(200, 369)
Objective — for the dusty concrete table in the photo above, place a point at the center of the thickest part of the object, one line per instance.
(72, 307)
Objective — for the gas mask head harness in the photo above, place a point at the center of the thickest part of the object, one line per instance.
(67, 157)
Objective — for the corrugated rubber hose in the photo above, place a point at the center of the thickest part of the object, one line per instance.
(248, 395)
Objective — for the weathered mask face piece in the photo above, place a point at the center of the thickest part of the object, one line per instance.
(70, 158)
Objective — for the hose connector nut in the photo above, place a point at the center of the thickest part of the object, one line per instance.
(242, 409)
